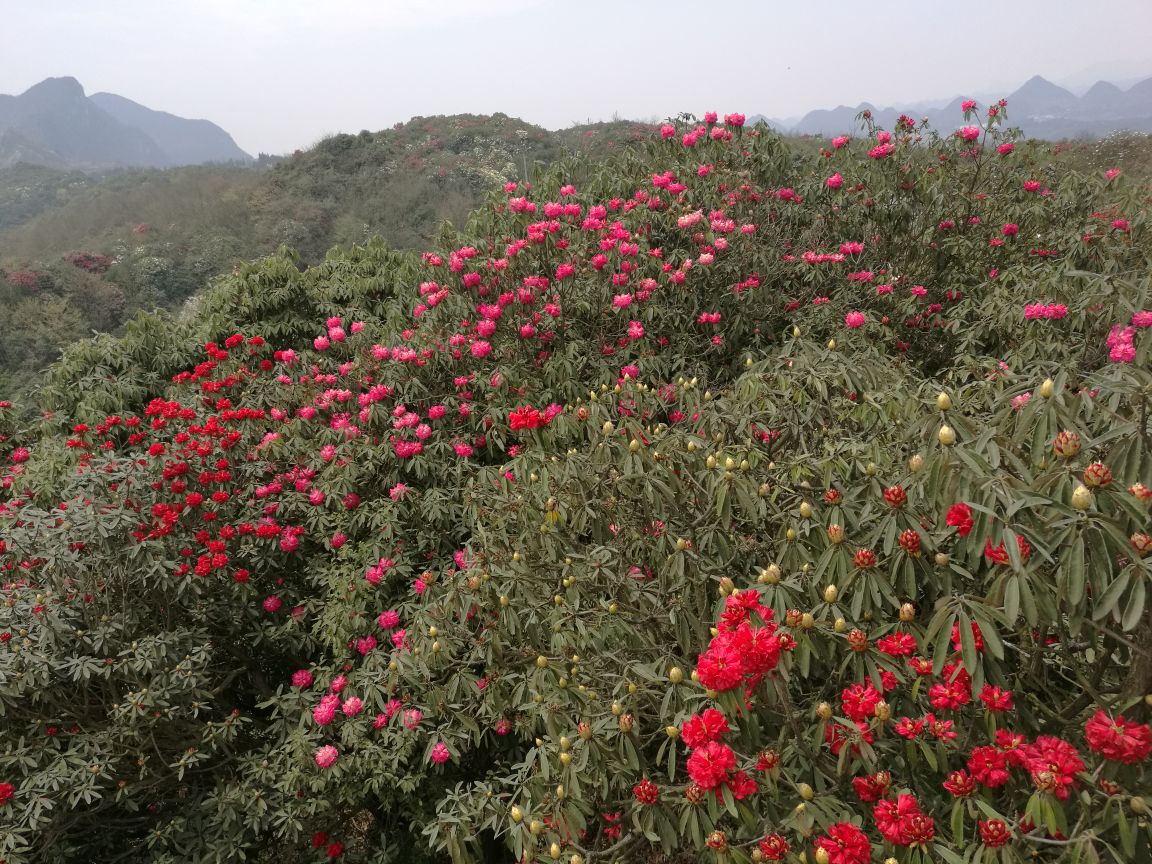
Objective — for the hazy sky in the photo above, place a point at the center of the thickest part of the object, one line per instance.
(278, 74)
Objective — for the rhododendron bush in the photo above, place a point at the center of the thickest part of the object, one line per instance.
(689, 506)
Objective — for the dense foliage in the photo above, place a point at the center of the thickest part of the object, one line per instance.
(160, 236)
(718, 502)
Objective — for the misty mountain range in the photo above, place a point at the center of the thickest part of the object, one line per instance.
(55, 124)
(1039, 108)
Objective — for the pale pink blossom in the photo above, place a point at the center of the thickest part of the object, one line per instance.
(326, 756)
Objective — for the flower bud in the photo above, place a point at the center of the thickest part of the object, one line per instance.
(943, 401)
(770, 575)
(517, 814)
(907, 612)
(1081, 498)
(1047, 389)
(946, 436)
(822, 856)
(824, 711)
(835, 534)
(831, 593)
(916, 463)
(1066, 445)
(805, 510)
(717, 840)
(805, 791)
(807, 621)
(858, 640)
(1097, 475)
(675, 674)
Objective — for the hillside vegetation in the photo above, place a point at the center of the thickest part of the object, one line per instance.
(716, 502)
(83, 254)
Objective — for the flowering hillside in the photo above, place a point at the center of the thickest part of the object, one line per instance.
(163, 235)
(715, 503)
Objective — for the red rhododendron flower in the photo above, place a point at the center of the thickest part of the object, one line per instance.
(908, 728)
(999, 555)
(897, 645)
(741, 785)
(1012, 745)
(699, 729)
(995, 699)
(774, 847)
(860, 701)
(959, 784)
(846, 844)
(1053, 764)
(7, 790)
(721, 667)
(525, 418)
(960, 517)
(708, 766)
(903, 823)
(989, 766)
(1119, 739)
(994, 833)
(873, 787)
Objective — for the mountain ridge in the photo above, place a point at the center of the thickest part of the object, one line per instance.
(55, 123)
(1039, 107)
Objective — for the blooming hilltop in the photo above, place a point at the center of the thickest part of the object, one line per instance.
(713, 503)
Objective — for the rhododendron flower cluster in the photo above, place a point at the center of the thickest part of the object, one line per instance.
(1118, 739)
(742, 652)
(1050, 311)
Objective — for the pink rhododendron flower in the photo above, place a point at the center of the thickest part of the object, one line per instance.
(326, 756)
(301, 678)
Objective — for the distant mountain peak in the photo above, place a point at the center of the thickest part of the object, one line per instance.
(53, 91)
(62, 84)
(1039, 107)
(55, 123)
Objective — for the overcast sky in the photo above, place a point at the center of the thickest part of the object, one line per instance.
(279, 74)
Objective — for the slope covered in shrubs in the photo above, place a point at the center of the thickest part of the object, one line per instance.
(716, 503)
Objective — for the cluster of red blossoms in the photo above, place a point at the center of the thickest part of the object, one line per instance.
(741, 653)
(845, 844)
(1119, 739)
(528, 417)
(902, 823)
(712, 761)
